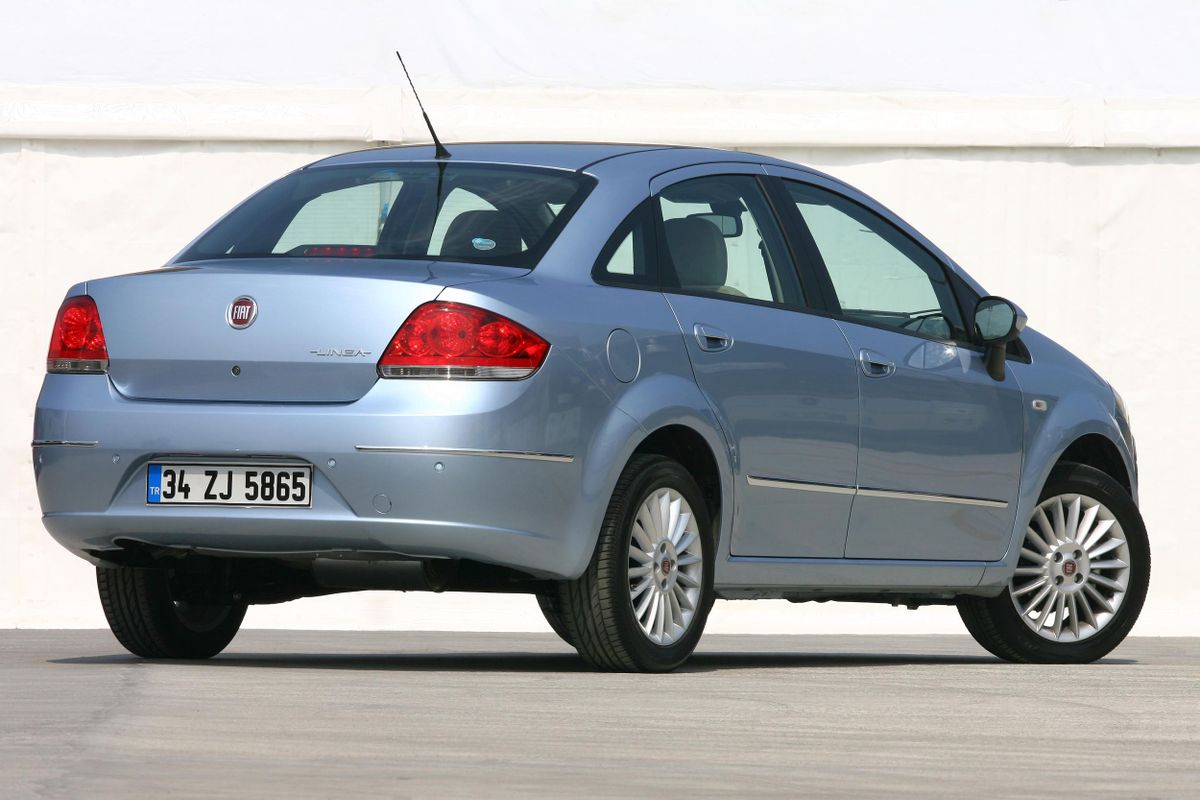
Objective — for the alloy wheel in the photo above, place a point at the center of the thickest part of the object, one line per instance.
(666, 566)
(1073, 572)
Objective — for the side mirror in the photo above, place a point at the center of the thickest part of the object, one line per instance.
(998, 322)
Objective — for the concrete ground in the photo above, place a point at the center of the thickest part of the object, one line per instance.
(340, 715)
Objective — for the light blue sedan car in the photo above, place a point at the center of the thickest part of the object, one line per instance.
(625, 379)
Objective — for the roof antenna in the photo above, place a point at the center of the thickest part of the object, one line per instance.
(439, 150)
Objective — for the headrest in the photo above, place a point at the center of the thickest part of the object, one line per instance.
(475, 234)
(697, 251)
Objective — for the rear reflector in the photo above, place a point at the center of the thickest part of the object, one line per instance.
(452, 340)
(77, 342)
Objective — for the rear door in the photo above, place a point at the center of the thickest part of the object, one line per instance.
(941, 441)
(781, 380)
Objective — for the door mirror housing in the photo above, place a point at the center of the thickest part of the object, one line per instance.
(997, 322)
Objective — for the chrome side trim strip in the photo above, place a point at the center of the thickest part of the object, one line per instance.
(60, 443)
(466, 451)
(933, 498)
(804, 486)
(800, 486)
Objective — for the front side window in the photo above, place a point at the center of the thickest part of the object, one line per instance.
(506, 215)
(879, 274)
(722, 238)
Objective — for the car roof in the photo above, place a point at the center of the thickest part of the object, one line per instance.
(560, 155)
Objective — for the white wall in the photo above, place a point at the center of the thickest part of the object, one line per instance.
(1058, 159)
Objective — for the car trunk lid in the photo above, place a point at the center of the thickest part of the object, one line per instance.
(318, 331)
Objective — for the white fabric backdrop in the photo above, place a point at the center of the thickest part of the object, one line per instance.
(1051, 147)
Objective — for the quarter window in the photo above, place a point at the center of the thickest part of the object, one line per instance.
(879, 274)
(721, 238)
(628, 257)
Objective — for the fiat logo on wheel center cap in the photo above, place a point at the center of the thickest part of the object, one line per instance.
(241, 313)
(1069, 568)
(666, 565)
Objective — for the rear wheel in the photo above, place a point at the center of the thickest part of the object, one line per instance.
(148, 613)
(642, 603)
(552, 611)
(1081, 578)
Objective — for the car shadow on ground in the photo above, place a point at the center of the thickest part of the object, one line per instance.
(555, 662)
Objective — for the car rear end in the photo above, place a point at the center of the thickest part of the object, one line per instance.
(294, 388)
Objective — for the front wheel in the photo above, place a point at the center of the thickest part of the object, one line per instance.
(642, 603)
(1081, 578)
(148, 613)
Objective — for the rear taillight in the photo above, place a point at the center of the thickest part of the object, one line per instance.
(451, 340)
(77, 343)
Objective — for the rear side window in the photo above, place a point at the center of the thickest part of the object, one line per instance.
(879, 274)
(497, 214)
(721, 238)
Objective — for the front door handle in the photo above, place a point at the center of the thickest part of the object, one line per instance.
(714, 340)
(874, 365)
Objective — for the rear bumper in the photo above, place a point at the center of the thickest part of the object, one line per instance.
(497, 475)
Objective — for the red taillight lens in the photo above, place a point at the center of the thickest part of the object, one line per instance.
(451, 340)
(77, 343)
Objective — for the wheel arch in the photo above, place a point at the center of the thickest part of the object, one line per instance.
(1079, 427)
(667, 415)
(686, 445)
(1099, 451)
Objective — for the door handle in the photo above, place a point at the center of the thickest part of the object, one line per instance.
(874, 365)
(714, 340)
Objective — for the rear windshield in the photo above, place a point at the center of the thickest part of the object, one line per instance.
(506, 215)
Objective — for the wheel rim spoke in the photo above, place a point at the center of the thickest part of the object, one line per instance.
(1086, 605)
(1037, 601)
(1106, 582)
(645, 542)
(1029, 587)
(1101, 549)
(1046, 544)
(1060, 587)
(1060, 608)
(1085, 524)
(1097, 534)
(1060, 523)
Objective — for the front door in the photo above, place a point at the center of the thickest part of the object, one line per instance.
(941, 441)
(782, 381)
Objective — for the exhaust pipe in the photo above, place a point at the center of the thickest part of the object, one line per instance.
(405, 576)
(434, 575)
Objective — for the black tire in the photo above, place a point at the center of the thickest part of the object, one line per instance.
(997, 625)
(596, 607)
(551, 608)
(144, 615)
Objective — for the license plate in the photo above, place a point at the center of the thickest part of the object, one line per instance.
(271, 485)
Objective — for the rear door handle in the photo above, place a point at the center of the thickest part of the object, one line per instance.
(874, 365)
(714, 340)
